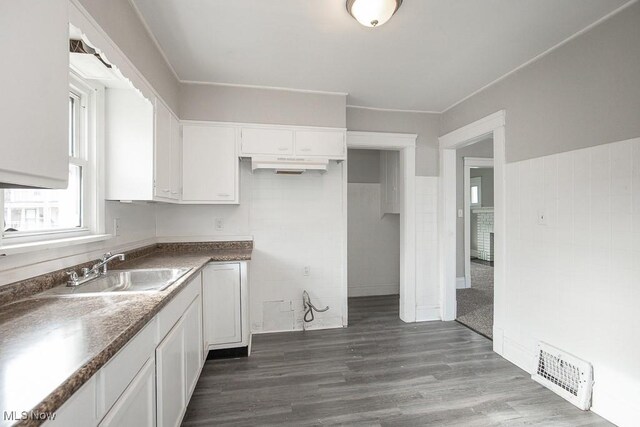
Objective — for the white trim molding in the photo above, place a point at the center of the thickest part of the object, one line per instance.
(494, 125)
(406, 145)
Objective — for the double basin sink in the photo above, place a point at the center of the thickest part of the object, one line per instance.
(138, 280)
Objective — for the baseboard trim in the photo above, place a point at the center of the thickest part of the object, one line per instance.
(616, 409)
(373, 290)
(461, 283)
(517, 354)
(426, 313)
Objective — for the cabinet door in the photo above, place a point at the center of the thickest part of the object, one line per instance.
(136, 407)
(193, 343)
(35, 93)
(320, 143)
(222, 304)
(389, 181)
(209, 164)
(176, 159)
(266, 141)
(170, 373)
(162, 170)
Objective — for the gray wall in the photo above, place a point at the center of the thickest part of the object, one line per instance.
(425, 125)
(121, 22)
(255, 105)
(584, 93)
(479, 149)
(363, 166)
(487, 184)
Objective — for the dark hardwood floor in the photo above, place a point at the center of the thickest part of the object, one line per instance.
(378, 371)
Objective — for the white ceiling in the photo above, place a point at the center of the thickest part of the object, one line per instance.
(430, 55)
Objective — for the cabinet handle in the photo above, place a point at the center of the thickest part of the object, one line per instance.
(175, 192)
(305, 149)
(283, 148)
(223, 195)
(166, 190)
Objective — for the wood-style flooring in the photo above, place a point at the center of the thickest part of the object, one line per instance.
(378, 371)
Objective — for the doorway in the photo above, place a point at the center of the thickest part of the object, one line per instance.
(404, 145)
(490, 126)
(373, 232)
(475, 242)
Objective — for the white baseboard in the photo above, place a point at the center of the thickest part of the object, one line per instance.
(373, 290)
(425, 313)
(517, 354)
(461, 283)
(619, 410)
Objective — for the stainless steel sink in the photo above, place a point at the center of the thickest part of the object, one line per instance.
(138, 280)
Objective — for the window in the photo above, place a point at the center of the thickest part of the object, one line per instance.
(34, 214)
(476, 192)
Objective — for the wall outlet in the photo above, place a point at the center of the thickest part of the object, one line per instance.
(542, 218)
(307, 270)
(219, 224)
(460, 213)
(116, 226)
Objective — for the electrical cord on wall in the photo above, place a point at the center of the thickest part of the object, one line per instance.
(309, 308)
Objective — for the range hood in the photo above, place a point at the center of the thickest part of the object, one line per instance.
(289, 165)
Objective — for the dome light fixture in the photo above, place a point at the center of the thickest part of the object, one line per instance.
(372, 13)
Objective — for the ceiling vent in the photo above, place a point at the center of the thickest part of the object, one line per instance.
(564, 374)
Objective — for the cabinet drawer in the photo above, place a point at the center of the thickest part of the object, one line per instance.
(118, 373)
(80, 409)
(320, 143)
(172, 312)
(267, 141)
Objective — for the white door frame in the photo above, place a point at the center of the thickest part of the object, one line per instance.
(493, 124)
(470, 162)
(406, 145)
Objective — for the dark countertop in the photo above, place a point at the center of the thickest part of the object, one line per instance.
(51, 345)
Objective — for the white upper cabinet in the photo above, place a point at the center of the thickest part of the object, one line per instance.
(267, 141)
(142, 148)
(389, 182)
(162, 187)
(34, 106)
(320, 143)
(210, 165)
(294, 141)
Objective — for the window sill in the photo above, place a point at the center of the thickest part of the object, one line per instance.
(21, 248)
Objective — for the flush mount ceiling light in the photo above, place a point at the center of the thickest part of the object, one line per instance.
(372, 13)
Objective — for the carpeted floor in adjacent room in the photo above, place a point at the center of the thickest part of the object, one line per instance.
(475, 304)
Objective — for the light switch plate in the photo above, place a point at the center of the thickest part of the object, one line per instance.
(219, 224)
(460, 213)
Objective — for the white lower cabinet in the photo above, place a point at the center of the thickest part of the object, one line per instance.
(150, 380)
(193, 345)
(170, 371)
(137, 405)
(224, 301)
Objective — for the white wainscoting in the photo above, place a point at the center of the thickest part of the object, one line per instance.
(572, 266)
(427, 279)
(373, 244)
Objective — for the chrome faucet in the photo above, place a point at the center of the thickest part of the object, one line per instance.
(94, 272)
(106, 258)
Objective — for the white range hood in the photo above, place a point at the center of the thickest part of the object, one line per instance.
(289, 165)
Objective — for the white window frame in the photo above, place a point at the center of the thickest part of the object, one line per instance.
(475, 182)
(90, 155)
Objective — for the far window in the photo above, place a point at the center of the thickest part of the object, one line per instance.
(28, 213)
(476, 192)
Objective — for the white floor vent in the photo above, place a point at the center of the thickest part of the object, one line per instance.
(564, 374)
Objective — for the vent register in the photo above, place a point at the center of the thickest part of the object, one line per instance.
(564, 374)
